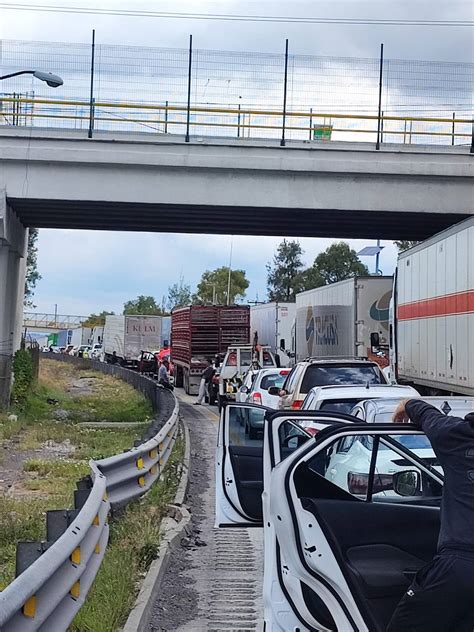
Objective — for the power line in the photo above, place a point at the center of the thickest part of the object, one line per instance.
(233, 17)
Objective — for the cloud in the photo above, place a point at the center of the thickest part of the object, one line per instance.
(86, 271)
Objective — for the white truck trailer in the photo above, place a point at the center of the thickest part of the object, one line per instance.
(272, 324)
(433, 314)
(128, 336)
(345, 319)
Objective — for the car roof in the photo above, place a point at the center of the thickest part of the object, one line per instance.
(338, 360)
(366, 392)
(458, 406)
(272, 370)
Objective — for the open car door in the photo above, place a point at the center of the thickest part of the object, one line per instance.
(352, 515)
(239, 459)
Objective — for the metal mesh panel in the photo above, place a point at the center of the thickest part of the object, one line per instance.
(143, 90)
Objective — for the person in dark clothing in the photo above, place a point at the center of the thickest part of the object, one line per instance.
(163, 376)
(441, 598)
(114, 358)
(206, 377)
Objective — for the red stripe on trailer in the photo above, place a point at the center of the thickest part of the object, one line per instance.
(449, 305)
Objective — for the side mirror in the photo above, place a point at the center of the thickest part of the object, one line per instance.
(407, 483)
(282, 344)
(274, 390)
(294, 441)
(374, 339)
(244, 389)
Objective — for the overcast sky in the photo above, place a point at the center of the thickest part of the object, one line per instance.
(85, 271)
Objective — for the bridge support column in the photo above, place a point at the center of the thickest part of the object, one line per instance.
(13, 251)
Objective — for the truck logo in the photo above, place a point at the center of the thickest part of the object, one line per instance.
(326, 330)
(380, 309)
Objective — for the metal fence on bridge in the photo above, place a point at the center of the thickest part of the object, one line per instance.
(240, 95)
(52, 321)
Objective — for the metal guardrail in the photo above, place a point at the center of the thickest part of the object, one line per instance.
(48, 594)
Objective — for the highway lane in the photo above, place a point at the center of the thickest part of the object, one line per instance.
(214, 580)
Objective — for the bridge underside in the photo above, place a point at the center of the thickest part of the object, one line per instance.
(248, 220)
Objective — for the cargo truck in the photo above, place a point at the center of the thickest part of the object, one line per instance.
(199, 333)
(346, 319)
(271, 324)
(432, 314)
(128, 336)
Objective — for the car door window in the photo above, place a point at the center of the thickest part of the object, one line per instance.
(290, 383)
(245, 426)
(290, 438)
(369, 468)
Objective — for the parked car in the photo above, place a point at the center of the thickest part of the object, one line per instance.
(96, 351)
(83, 349)
(247, 382)
(344, 398)
(333, 559)
(338, 372)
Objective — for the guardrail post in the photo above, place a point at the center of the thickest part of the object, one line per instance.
(166, 117)
(310, 122)
(377, 146)
(285, 87)
(452, 134)
(238, 123)
(188, 113)
(91, 99)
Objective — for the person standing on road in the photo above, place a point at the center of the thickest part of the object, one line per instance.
(441, 598)
(206, 377)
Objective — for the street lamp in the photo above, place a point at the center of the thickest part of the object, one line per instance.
(52, 80)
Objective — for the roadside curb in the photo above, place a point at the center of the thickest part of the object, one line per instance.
(172, 527)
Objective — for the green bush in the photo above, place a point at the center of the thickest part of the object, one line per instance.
(23, 378)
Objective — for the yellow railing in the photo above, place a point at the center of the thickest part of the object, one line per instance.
(243, 119)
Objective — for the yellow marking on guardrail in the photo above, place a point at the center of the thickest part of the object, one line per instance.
(29, 607)
(153, 469)
(141, 481)
(97, 548)
(106, 497)
(153, 453)
(76, 556)
(76, 590)
(96, 521)
(140, 463)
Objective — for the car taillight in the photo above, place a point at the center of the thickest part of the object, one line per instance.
(284, 372)
(296, 405)
(358, 483)
(257, 398)
(312, 431)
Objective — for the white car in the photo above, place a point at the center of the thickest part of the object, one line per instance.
(265, 379)
(242, 392)
(342, 399)
(333, 560)
(96, 352)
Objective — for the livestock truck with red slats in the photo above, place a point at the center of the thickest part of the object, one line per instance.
(199, 333)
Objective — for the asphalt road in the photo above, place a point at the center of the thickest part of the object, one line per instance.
(214, 580)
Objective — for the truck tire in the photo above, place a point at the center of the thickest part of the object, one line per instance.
(178, 381)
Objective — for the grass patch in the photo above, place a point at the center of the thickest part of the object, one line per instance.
(129, 554)
(48, 480)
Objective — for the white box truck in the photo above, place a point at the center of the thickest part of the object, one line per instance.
(432, 346)
(272, 324)
(345, 319)
(128, 336)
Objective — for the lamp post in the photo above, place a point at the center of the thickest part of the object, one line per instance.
(54, 81)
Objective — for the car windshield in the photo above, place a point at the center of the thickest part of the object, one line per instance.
(340, 405)
(316, 375)
(272, 380)
(267, 359)
(245, 358)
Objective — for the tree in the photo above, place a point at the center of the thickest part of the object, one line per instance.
(32, 274)
(213, 286)
(143, 305)
(96, 320)
(404, 244)
(309, 279)
(284, 273)
(179, 294)
(338, 262)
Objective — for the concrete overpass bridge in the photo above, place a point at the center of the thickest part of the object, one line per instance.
(59, 179)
